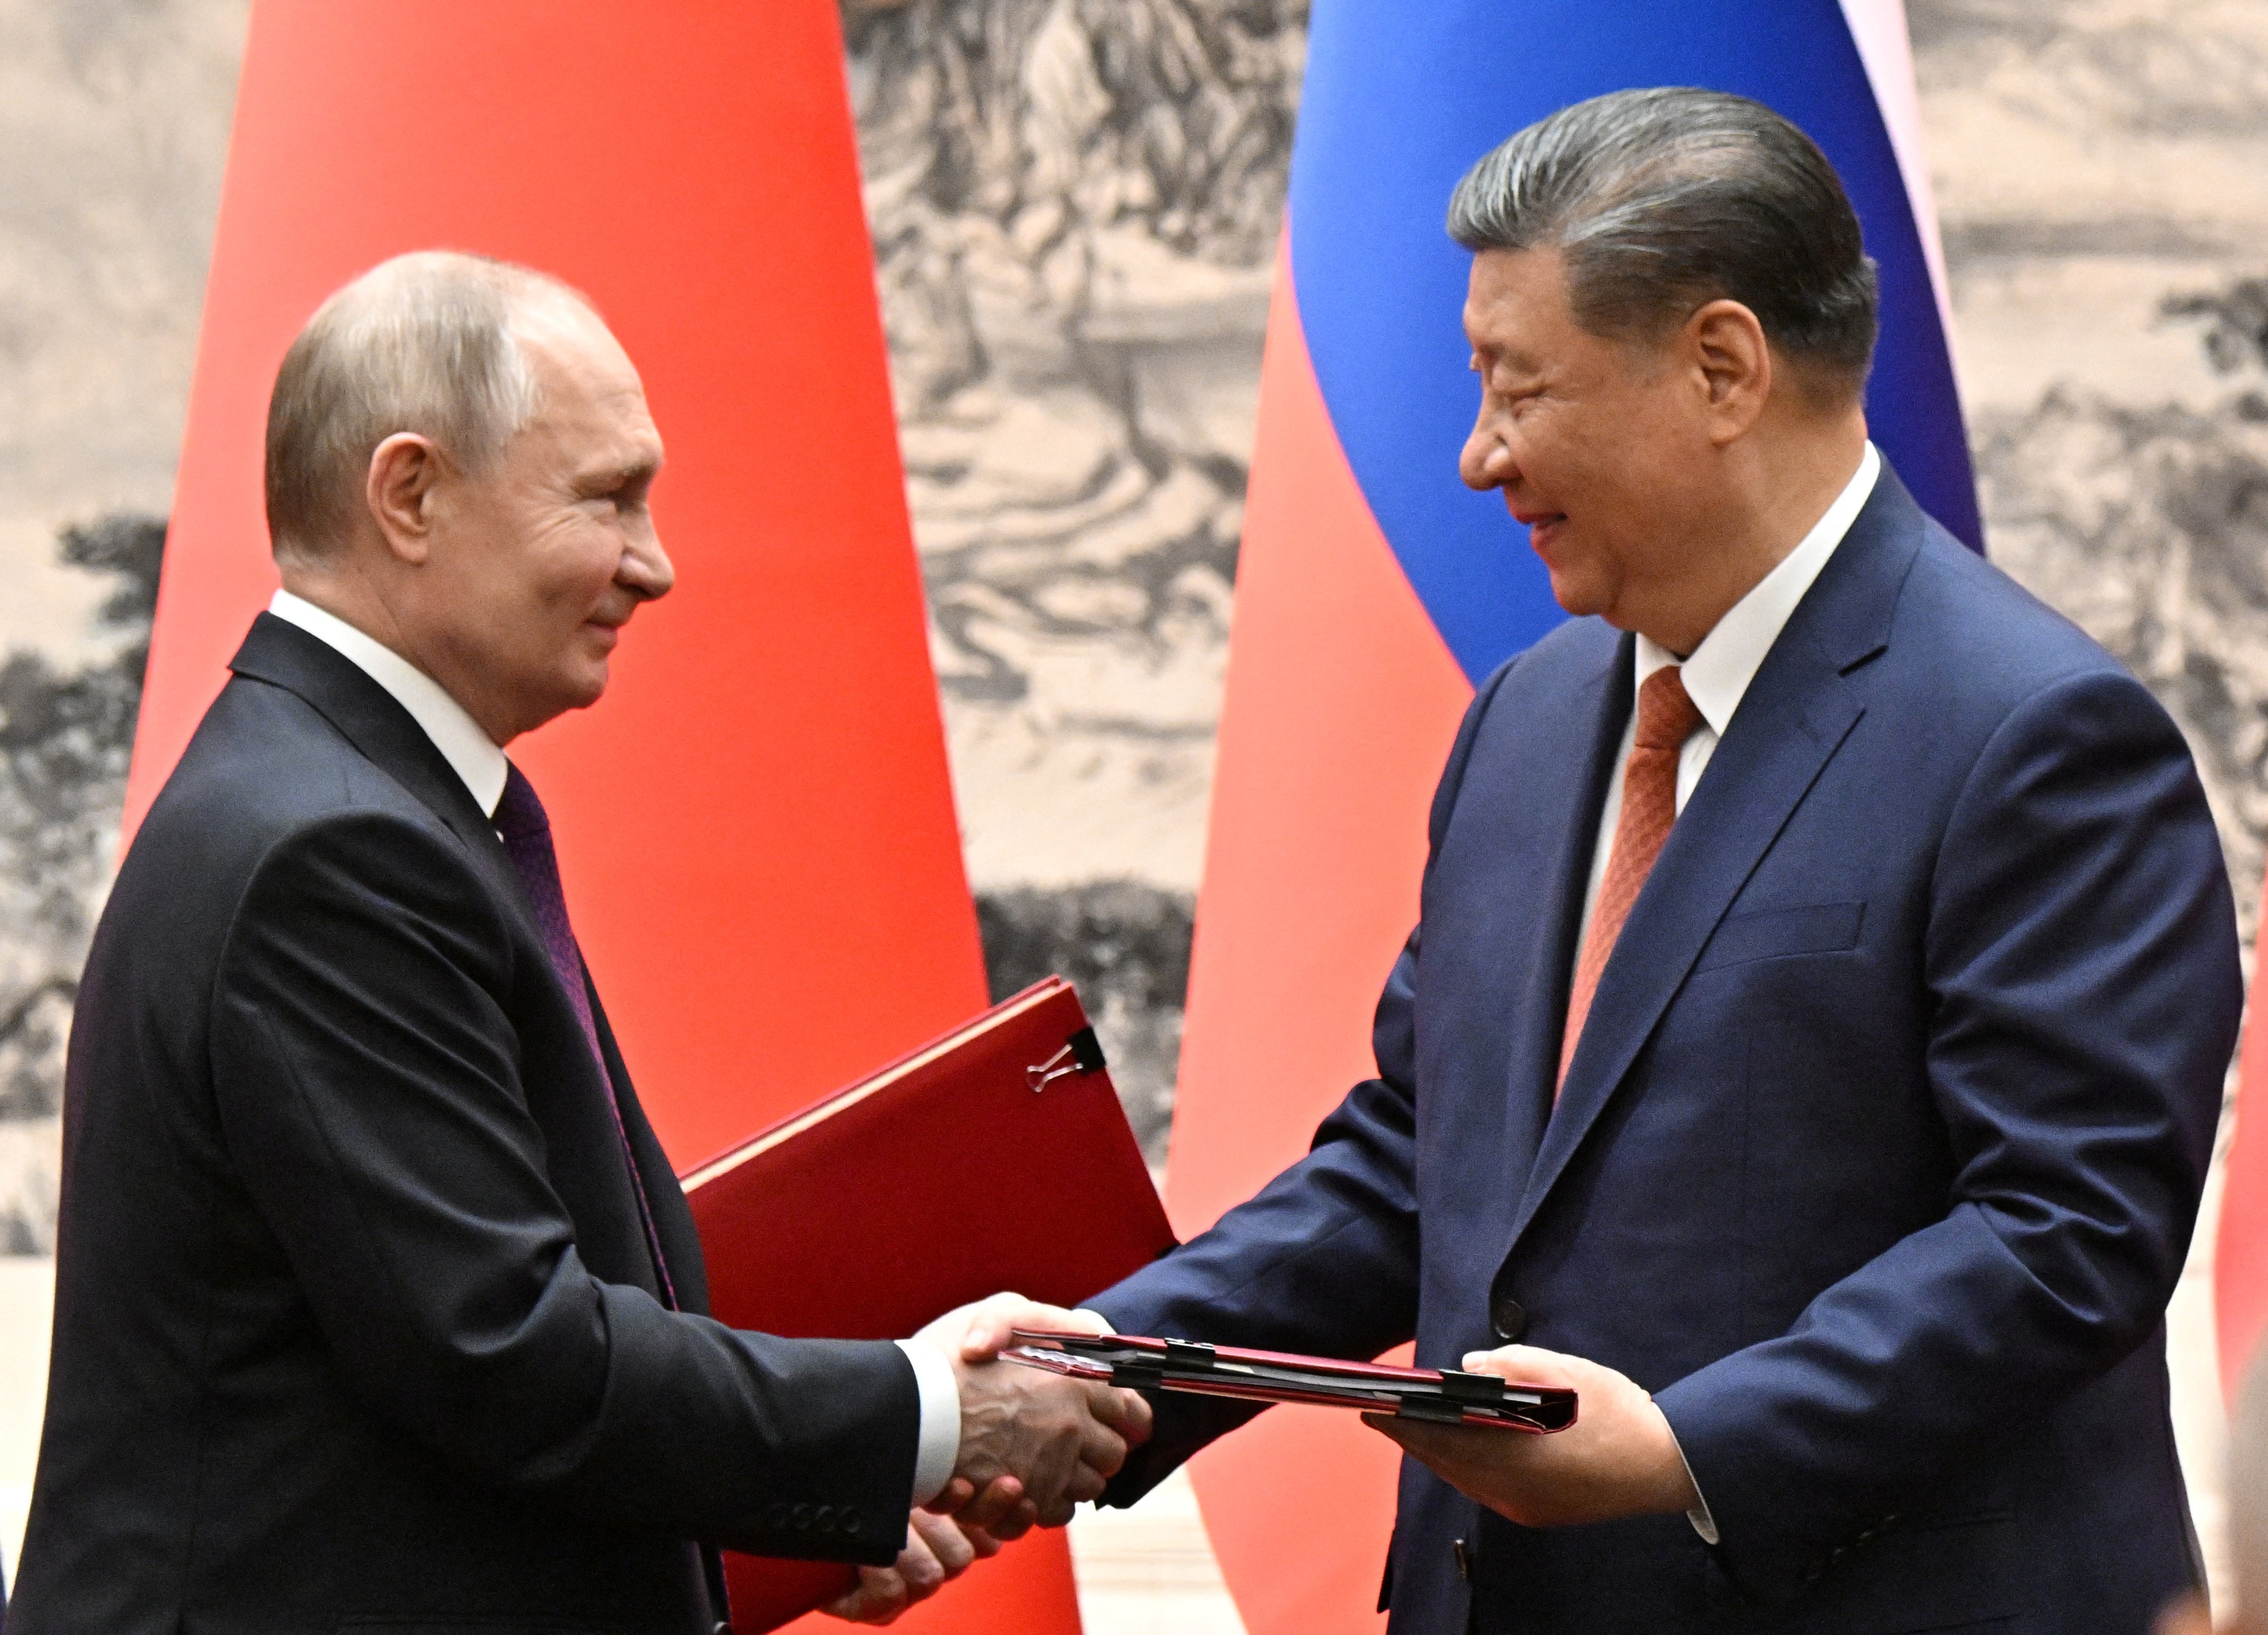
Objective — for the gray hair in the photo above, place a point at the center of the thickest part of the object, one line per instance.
(423, 342)
(1664, 199)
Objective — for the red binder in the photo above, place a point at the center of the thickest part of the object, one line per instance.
(994, 1157)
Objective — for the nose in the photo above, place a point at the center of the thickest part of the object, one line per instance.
(1486, 463)
(646, 571)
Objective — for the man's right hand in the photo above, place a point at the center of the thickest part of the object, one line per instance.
(1029, 1440)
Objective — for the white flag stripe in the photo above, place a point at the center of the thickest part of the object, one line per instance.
(1879, 26)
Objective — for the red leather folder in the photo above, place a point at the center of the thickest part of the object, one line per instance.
(994, 1157)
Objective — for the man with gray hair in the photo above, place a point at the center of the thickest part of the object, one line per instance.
(377, 1306)
(1811, 1045)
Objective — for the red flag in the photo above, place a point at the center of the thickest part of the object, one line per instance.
(1340, 705)
(756, 826)
(2239, 1253)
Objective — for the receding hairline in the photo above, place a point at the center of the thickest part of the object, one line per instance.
(553, 321)
(530, 308)
(440, 343)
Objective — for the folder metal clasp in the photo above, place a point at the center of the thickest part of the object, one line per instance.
(1059, 1065)
(1081, 1054)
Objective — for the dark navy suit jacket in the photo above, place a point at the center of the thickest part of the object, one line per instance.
(356, 1324)
(1877, 1160)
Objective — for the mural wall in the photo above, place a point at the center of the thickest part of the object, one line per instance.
(114, 116)
(1075, 206)
(2098, 169)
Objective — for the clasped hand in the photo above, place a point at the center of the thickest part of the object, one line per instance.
(1056, 1440)
(1034, 1445)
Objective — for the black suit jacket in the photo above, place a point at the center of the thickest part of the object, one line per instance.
(356, 1326)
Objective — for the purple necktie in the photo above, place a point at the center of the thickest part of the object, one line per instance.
(527, 834)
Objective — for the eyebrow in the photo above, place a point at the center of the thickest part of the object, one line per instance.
(630, 474)
(1518, 362)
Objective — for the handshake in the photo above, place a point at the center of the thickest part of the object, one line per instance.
(1034, 1445)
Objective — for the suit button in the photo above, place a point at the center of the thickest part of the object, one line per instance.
(825, 1519)
(849, 1519)
(776, 1516)
(803, 1515)
(1508, 1317)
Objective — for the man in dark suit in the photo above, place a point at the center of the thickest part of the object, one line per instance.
(378, 1304)
(1819, 1010)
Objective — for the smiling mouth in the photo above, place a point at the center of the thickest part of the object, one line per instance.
(1542, 525)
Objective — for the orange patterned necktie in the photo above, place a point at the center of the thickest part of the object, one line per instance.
(1666, 719)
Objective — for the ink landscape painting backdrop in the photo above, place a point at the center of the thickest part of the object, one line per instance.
(1075, 205)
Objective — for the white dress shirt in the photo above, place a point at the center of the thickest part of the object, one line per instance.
(469, 751)
(481, 765)
(1717, 675)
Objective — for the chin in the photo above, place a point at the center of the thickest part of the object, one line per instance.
(585, 688)
(1577, 595)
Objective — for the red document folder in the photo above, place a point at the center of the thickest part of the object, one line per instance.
(994, 1157)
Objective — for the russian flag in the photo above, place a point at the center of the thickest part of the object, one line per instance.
(1374, 591)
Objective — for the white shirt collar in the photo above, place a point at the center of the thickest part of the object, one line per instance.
(469, 751)
(1717, 674)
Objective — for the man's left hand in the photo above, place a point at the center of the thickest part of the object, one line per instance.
(1618, 1459)
(938, 1549)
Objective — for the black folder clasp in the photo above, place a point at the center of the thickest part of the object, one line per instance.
(1086, 1050)
(1459, 1391)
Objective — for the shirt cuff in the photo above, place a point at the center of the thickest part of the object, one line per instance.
(938, 1447)
(1704, 1523)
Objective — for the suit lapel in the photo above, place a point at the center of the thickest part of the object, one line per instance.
(672, 1215)
(387, 735)
(373, 721)
(1586, 735)
(1796, 714)
(366, 715)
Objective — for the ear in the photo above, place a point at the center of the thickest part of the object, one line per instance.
(398, 489)
(1726, 345)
